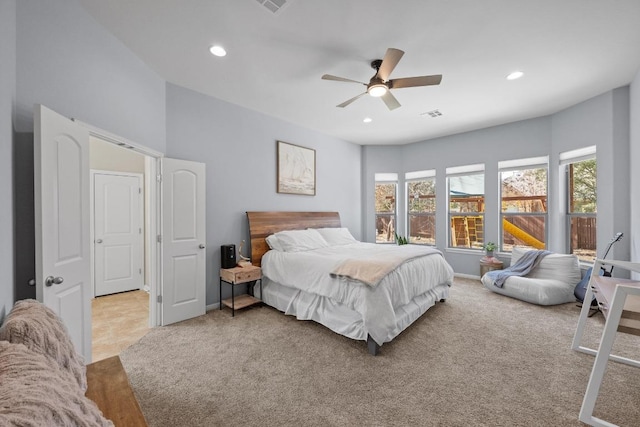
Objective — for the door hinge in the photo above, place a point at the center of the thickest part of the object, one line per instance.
(159, 238)
(159, 178)
(159, 298)
(139, 230)
(139, 190)
(140, 271)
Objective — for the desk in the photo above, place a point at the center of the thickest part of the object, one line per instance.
(619, 300)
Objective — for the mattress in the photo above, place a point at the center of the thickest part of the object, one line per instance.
(299, 284)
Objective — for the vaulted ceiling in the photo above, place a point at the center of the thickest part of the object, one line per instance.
(569, 51)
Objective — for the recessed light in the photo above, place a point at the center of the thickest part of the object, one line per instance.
(217, 50)
(367, 120)
(515, 75)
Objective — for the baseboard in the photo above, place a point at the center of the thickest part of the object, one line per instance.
(466, 276)
(212, 307)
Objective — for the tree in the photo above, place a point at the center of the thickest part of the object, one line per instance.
(583, 186)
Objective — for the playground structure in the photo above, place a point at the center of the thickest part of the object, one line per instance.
(468, 231)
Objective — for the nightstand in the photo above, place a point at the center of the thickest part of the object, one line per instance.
(236, 276)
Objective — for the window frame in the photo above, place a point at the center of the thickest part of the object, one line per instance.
(567, 160)
(459, 171)
(419, 176)
(384, 179)
(522, 165)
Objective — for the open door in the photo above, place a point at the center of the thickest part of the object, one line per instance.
(183, 240)
(61, 191)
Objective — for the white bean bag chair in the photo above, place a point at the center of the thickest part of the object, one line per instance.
(551, 282)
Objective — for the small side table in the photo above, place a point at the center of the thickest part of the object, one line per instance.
(236, 276)
(490, 264)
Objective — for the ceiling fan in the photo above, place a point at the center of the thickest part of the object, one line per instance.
(380, 85)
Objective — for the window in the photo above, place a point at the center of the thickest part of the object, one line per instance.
(581, 172)
(386, 188)
(466, 206)
(421, 207)
(523, 195)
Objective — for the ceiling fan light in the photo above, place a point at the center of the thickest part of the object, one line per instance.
(377, 90)
(217, 50)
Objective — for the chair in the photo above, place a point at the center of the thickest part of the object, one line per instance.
(552, 281)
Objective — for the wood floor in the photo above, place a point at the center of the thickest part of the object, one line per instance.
(118, 321)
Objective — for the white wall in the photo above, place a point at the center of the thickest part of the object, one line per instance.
(238, 147)
(7, 96)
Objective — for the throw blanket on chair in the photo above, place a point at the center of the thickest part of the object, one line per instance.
(522, 267)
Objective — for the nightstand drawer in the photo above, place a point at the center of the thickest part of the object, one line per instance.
(240, 274)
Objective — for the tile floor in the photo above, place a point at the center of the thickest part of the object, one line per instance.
(118, 321)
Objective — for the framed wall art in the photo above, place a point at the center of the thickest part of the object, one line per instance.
(296, 169)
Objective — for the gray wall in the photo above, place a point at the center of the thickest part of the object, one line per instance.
(602, 121)
(7, 96)
(238, 147)
(55, 54)
(634, 155)
(71, 64)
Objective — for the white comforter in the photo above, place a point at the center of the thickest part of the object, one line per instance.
(309, 272)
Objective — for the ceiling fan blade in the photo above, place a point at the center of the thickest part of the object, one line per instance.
(349, 101)
(340, 79)
(389, 62)
(390, 100)
(416, 81)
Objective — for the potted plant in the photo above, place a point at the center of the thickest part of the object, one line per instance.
(401, 240)
(489, 247)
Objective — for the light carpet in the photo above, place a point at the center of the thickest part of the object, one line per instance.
(479, 359)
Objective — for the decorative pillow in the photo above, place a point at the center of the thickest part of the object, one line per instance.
(34, 391)
(563, 267)
(336, 236)
(274, 243)
(40, 329)
(300, 240)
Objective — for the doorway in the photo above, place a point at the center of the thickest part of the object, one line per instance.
(120, 260)
(63, 236)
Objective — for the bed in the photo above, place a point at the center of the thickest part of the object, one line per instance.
(321, 279)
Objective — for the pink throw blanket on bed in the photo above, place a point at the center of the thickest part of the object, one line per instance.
(374, 268)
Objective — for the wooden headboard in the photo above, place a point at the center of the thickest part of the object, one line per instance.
(263, 224)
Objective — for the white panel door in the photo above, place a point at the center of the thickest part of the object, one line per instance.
(118, 238)
(61, 190)
(183, 240)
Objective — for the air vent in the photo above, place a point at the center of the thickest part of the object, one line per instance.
(274, 6)
(432, 113)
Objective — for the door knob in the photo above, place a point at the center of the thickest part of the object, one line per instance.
(49, 281)
(99, 241)
(202, 246)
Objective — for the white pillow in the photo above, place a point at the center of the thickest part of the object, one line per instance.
(336, 236)
(300, 240)
(274, 243)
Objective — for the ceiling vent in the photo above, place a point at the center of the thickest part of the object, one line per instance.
(432, 113)
(274, 6)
